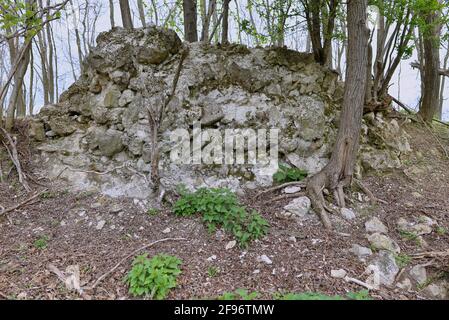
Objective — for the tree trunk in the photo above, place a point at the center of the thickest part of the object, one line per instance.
(190, 28)
(141, 13)
(224, 31)
(431, 44)
(126, 14)
(442, 86)
(111, 13)
(337, 174)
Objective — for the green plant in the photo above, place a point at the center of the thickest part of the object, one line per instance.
(220, 207)
(360, 295)
(410, 236)
(441, 231)
(402, 260)
(212, 271)
(152, 212)
(287, 174)
(48, 195)
(239, 294)
(153, 278)
(41, 243)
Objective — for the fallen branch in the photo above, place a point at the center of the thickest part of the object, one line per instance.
(287, 184)
(286, 196)
(13, 154)
(102, 277)
(22, 203)
(360, 283)
(430, 254)
(368, 192)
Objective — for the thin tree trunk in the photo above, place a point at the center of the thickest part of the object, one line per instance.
(141, 13)
(337, 174)
(225, 22)
(190, 20)
(442, 86)
(111, 13)
(431, 94)
(126, 14)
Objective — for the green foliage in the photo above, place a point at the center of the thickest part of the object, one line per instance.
(441, 231)
(152, 212)
(212, 271)
(48, 195)
(239, 294)
(360, 295)
(153, 278)
(287, 174)
(220, 207)
(407, 235)
(402, 260)
(41, 243)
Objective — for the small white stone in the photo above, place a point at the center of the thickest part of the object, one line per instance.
(375, 225)
(100, 224)
(212, 258)
(292, 239)
(348, 214)
(230, 244)
(256, 271)
(264, 258)
(167, 230)
(290, 190)
(340, 273)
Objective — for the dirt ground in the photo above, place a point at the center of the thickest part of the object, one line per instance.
(70, 221)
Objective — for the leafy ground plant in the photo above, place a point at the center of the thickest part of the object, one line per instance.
(287, 174)
(153, 278)
(239, 294)
(220, 207)
(360, 295)
(41, 243)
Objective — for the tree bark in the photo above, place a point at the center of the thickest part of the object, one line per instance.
(126, 14)
(141, 13)
(337, 174)
(431, 44)
(190, 20)
(225, 22)
(111, 13)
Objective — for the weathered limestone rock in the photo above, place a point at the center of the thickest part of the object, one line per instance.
(382, 242)
(105, 112)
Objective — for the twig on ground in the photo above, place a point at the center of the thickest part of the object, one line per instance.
(287, 184)
(102, 277)
(368, 192)
(13, 154)
(286, 196)
(360, 283)
(3, 212)
(430, 254)
(3, 295)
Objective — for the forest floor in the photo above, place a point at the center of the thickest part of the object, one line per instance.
(64, 228)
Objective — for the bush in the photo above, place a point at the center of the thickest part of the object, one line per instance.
(153, 278)
(220, 207)
(287, 174)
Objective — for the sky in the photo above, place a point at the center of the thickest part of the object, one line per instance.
(405, 84)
